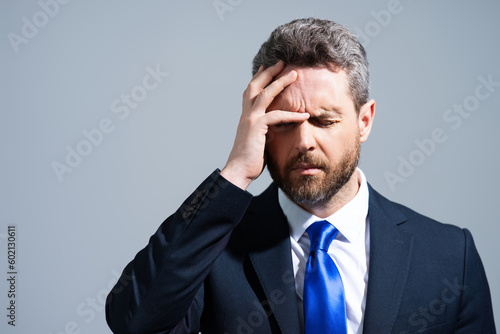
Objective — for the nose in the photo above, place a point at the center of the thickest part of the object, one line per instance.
(304, 137)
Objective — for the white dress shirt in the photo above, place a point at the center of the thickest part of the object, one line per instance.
(350, 250)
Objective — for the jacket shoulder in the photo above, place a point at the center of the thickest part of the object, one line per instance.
(413, 221)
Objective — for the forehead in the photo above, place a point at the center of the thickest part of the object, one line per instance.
(315, 87)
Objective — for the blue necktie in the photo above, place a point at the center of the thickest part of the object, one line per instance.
(324, 301)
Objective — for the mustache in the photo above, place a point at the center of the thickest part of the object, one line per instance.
(307, 159)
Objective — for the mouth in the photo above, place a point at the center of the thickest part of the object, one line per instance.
(306, 169)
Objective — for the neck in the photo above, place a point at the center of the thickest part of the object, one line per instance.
(341, 198)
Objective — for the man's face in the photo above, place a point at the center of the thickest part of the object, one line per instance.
(313, 160)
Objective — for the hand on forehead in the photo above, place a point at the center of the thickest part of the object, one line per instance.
(315, 89)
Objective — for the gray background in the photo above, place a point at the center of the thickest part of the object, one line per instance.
(75, 236)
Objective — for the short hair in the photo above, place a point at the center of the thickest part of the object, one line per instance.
(312, 42)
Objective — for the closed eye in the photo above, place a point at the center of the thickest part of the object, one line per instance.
(322, 122)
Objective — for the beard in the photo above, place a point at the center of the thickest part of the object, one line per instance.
(314, 189)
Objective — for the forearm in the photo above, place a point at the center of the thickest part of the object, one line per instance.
(158, 287)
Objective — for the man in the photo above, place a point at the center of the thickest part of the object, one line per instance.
(227, 262)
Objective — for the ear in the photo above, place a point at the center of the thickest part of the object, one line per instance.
(365, 120)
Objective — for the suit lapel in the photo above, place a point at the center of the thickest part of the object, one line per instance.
(267, 240)
(390, 253)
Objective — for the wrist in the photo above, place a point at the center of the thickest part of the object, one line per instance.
(235, 177)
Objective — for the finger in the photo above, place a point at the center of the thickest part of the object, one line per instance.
(281, 116)
(263, 79)
(248, 95)
(261, 68)
(267, 95)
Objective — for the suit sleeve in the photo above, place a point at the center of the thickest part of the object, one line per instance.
(476, 312)
(161, 290)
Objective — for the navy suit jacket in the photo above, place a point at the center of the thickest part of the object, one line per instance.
(222, 264)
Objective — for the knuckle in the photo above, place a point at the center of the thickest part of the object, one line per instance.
(265, 94)
(250, 122)
(251, 86)
(251, 90)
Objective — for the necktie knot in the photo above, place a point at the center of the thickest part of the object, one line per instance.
(321, 234)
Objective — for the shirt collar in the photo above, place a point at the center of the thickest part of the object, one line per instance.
(349, 220)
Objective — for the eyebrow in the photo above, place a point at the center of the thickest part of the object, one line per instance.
(326, 111)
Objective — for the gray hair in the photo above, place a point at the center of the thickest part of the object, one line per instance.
(312, 42)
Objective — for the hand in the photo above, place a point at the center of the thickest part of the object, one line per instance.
(246, 161)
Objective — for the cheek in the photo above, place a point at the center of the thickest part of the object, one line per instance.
(349, 131)
(336, 143)
(277, 146)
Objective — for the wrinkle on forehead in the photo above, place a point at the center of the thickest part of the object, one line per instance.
(315, 90)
